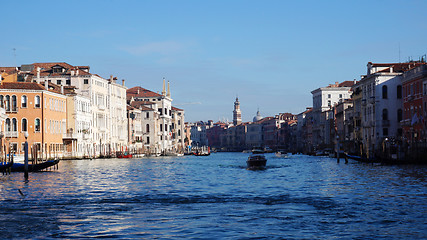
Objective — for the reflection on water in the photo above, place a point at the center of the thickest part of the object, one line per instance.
(215, 197)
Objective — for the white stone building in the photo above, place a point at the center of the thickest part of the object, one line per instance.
(158, 120)
(108, 101)
(323, 100)
(381, 103)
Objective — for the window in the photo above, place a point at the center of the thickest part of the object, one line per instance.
(399, 92)
(7, 103)
(385, 114)
(399, 115)
(179, 132)
(14, 125)
(340, 95)
(37, 102)
(68, 82)
(161, 127)
(148, 140)
(329, 102)
(37, 125)
(147, 115)
(58, 82)
(23, 101)
(1, 101)
(166, 127)
(384, 92)
(14, 103)
(85, 81)
(7, 125)
(24, 125)
(147, 128)
(329, 95)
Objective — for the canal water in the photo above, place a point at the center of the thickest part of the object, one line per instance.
(216, 197)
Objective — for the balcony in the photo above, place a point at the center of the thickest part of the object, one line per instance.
(13, 134)
(69, 136)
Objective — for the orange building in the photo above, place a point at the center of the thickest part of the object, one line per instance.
(38, 110)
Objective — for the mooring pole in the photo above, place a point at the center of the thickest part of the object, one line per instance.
(26, 157)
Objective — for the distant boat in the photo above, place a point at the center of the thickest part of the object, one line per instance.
(256, 161)
(257, 151)
(123, 155)
(281, 154)
(19, 167)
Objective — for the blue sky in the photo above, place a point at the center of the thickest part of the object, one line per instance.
(271, 54)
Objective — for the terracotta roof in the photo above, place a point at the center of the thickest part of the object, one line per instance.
(176, 109)
(398, 67)
(22, 85)
(139, 92)
(346, 84)
(144, 108)
(7, 70)
(46, 69)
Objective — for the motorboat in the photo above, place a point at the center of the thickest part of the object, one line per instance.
(256, 161)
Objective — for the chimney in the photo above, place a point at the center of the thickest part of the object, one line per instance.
(169, 90)
(123, 82)
(77, 72)
(164, 88)
(38, 75)
(111, 78)
(46, 84)
(391, 69)
(72, 72)
(138, 91)
(354, 81)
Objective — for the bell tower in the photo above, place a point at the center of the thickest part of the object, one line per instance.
(237, 115)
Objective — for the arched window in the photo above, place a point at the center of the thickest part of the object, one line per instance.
(7, 103)
(385, 92)
(37, 125)
(7, 125)
(24, 125)
(37, 102)
(14, 125)
(385, 114)
(399, 91)
(23, 101)
(179, 132)
(147, 128)
(399, 115)
(14, 103)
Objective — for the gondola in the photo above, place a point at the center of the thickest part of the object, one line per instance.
(20, 167)
(5, 165)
